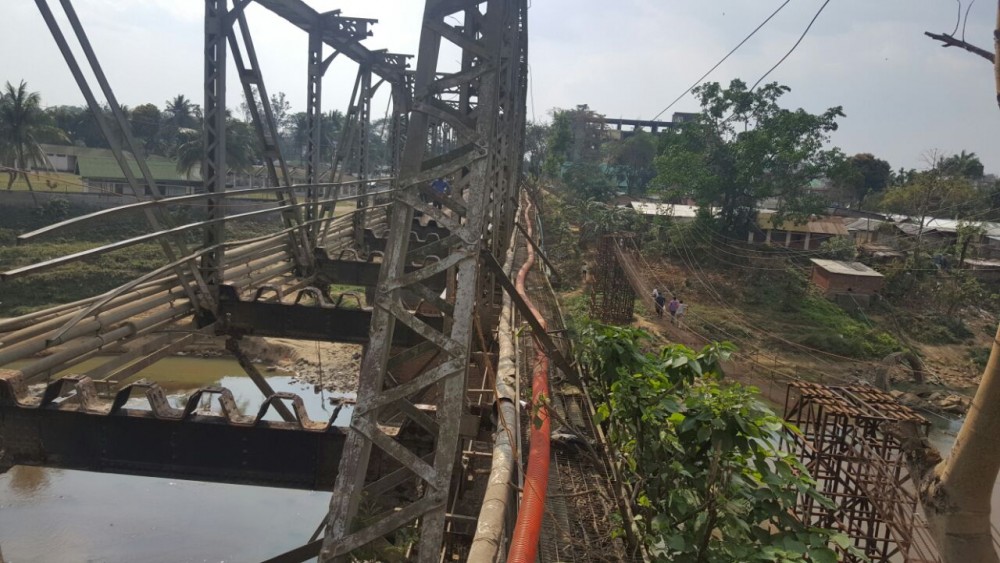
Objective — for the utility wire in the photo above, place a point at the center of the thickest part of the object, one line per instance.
(718, 64)
(790, 51)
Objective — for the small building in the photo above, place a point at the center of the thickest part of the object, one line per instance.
(851, 279)
(802, 236)
(677, 211)
(984, 270)
(101, 172)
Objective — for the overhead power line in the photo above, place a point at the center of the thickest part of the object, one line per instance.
(718, 64)
(790, 51)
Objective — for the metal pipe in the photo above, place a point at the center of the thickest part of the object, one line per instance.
(130, 300)
(172, 201)
(38, 343)
(496, 500)
(84, 346)
(31, 319)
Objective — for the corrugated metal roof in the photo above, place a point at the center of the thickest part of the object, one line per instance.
(666, 209)
(847, 268)
(825, 226)
(863, 224)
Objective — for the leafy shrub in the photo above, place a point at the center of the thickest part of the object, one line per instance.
(979, 356)
(837, 332)
(712, 482)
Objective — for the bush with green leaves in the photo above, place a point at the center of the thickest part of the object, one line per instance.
(712, 482)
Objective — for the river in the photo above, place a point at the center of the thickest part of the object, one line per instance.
(55, 516)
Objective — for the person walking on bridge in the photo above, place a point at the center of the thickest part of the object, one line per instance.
(659, 301)
(672, 308)
(681, 311)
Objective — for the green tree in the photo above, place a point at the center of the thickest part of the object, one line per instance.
(712, 482)
(559, 141)
(331, 125)
(181, 113)
(536, 136)
(23, 125)
(241, 148)
(575, 136)
(633, 158)
(586, 180)
(964, 165)
(744, 147)
(146, 121)
(929, 194)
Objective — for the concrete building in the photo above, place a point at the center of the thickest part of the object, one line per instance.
(847, 283)
(801, 236)
(101, 173)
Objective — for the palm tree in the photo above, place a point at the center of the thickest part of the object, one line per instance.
(181, 112)
(23, 125)
(241, 148)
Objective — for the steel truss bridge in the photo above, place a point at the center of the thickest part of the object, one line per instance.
(431, 264)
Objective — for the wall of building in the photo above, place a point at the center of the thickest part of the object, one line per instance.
(832, 283)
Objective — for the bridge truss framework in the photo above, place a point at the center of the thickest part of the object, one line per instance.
(465, 124)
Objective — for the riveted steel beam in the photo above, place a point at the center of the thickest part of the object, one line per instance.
(465, 212)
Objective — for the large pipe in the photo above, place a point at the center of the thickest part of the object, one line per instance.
(80, 347)
(125, 306)
(524, 544)
(492, 520)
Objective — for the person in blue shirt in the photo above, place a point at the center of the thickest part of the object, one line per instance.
(440, 187)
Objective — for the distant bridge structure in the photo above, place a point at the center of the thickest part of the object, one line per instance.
(429, 261)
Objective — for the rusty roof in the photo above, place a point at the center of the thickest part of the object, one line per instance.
(821, 226)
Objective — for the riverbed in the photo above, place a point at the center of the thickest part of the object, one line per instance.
(55, 516)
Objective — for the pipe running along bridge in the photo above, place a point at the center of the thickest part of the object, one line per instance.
(431, 263)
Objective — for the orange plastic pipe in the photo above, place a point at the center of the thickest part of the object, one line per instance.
(524, 543)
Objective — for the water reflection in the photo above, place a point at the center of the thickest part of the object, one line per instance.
(26, 482)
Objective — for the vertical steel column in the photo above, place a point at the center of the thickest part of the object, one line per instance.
(217, 25)
(363, 152)
(262, 116)
(463, 213)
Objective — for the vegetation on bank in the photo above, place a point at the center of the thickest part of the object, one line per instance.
(702, 455)
(88, 277)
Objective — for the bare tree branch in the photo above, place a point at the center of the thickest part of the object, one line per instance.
(996, 46)
(950, 41)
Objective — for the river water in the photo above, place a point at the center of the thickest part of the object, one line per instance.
(55, 516)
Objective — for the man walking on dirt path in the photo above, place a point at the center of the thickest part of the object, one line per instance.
(672, 308)
(659, 301)
(681, 311)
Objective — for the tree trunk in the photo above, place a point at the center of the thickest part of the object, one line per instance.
(31, 188)
(956, 494)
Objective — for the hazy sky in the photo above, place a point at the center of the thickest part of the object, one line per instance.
(902, 93)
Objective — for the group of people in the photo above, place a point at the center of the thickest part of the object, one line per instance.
(677, 308)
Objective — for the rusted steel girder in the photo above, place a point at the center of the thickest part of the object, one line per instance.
(480, 30)
(355, 272)
(85, 433)
(321, 321)
(843, 437)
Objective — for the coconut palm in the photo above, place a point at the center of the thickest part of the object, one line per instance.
(23, 125)
(241, 148)
(180, 112)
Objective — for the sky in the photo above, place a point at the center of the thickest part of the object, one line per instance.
(903, 94)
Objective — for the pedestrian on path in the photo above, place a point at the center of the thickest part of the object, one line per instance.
(681, 311)
(659, 301)
(672, 308)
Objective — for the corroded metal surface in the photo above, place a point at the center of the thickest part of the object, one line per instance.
(859, 465)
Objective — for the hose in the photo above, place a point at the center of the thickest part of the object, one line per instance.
(524, 544)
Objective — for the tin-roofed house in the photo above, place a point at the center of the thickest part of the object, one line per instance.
(849, 284)
(101, 172)
(801, 236)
